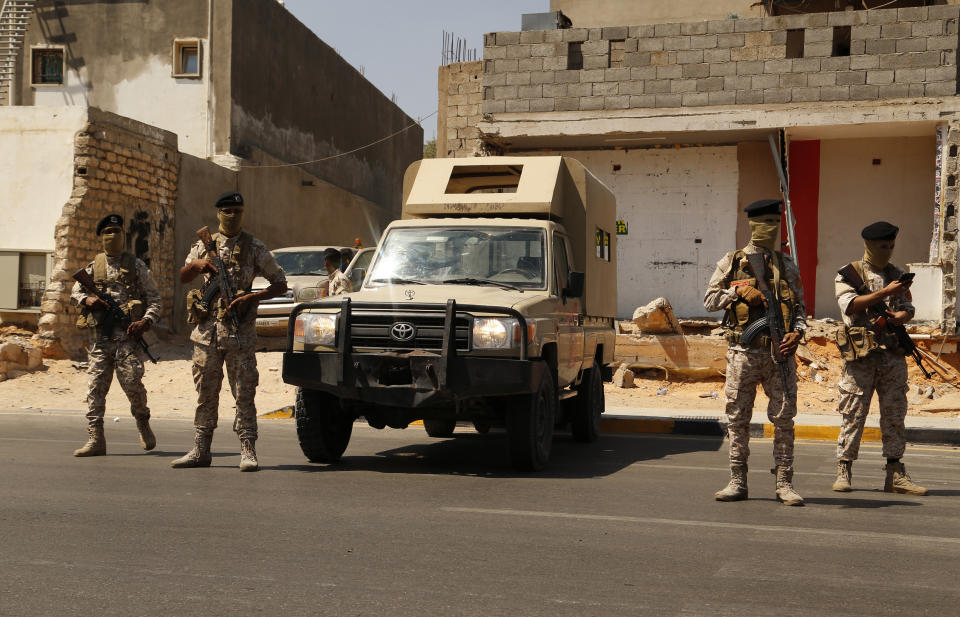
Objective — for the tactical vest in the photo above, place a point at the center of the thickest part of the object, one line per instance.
(858, 341)
(127, 276)
(199, 304)
(739, 315)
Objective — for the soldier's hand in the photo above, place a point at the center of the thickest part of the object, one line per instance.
(202, 266)
(790, 342)
(242, 303)
(137, 328)
(95, 303)
(751, 295)
(896, 288)
(898, 318)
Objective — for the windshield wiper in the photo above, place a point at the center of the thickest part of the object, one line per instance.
(396, 280)
(475, 281)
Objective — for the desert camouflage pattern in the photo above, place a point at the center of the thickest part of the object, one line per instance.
(242, 375)
(875, 280)
(883, 372)
(745, 371)
(338, 283)
(119, 286)
(123, 358)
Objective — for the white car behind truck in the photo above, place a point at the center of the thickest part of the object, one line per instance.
(493, 301)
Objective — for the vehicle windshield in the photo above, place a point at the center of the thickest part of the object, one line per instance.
(499, 256)
(299, 263)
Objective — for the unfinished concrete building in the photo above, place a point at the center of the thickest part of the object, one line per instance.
(151, 109)
(672, 104)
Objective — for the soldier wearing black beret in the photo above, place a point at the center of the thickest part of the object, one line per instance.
(873, 360)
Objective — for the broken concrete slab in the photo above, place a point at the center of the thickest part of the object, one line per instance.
(946, 403)
(690, 356)
(623, 377)
(657, 317)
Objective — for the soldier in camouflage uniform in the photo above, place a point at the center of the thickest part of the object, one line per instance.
(217, 343)
(130, 283)
(733, 289)
(337, 282)
(874, 361)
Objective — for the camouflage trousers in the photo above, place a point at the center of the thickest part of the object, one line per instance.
(104, 359)
(886, 373)
(242, 374)
(745, 371)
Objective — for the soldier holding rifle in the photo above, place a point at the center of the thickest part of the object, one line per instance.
(762, 340)
(224, 311)
(119, 301)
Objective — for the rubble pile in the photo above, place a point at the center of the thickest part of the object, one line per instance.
(17, 355)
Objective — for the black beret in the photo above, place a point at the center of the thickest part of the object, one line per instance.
(111, 220)
(229, 199)
(764, 207)
(331, 254)
(881, 230)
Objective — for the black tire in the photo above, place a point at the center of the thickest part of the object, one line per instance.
(530, 426)
(323, 427)
(587, 407)
(440, 428)
(482, 426)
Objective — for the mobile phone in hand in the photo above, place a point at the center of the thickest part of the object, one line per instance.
(907, 277)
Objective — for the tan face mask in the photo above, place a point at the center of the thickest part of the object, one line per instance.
(112, 240)
(765, 231)
(231, 219)
(878, 252)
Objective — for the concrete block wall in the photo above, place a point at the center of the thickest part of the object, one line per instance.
(893, 53)
(949, 241)
(460, 100)
(120, 166)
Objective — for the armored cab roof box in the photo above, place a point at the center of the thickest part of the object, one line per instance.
(544, 187)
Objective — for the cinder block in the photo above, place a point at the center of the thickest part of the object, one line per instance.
(530, 92)
(814, 20)
(756, 39)
(710, 84)
(494, 107)
(705, 41)
(663, 58)
(554, 91)
(915, 13)
(777, 66)
(595, 62)
(865, 32)
(881, 46)
(943, 12)
(552, 36)
(942, 73)
(592, 75)
(501, 93)
(556, 63)
(676, 42)
(542, 105)
(722, 98)
(765, 82)
(581, 89)
(730, 40)
(846, 18)
(748, 25)
(643, 101)
(828, 78)
(616, 102)
(907, 76)
(735, 83)
(669, 100)
(616, 75)
(787, 22)
(858, 63)
(617, 33)
(505, 66)
(666, 30)
(693, 27)
(680, 86)
(639, 73)
(743, 54)
(924, 59)
(695, 99)
(575, 35)
(567, 104)
(595, 48)
(673, 71)
(793, 80)
(630, 45)
(840, 63)
(541, 50)
(858, 47)
(776, 95)
(894, 91)
(651, 44)
(818, 35)
(720, 26)
(530, 64)
(772, 52)
(849, 78)
(596, 34)
(895, 31)
(806, 65)
(640, 32)
(489, 39)
(496, 52)
(530, 37)
(835, 93)
(711, 56)
(749, 97)
(518, 79)
(695, 70)
(908, 45)
(942, 42)
(749, 68)
(606, 88)
(927, 28)
(641, 58)
(882, 16)
(508, 38)
(546, 77)
(591, 102)
(817, 50)
(880, 77)
(657, 86)
(805, 95)
(864, 93)
(631, 87)
(690, 56)
(494, 79)
(778, 38)
(723, 69)
(941, 88)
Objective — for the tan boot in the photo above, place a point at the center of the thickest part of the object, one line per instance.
(147, 439)
(199, 456)
(96, 443)
(736, 490)
(844, 477)
(248, 455)
(785, 491)
(899, 482)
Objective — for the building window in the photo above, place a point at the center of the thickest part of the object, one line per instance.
(23, 279)
(795, 40)
(841, 41)
(47, 63)
(574, 57)
(186, 58)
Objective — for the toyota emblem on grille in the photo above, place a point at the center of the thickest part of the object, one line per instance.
(403, 332)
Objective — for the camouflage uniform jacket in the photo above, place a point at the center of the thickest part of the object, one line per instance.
(338, 283)
(258, 262)
(875, 280)
(720, 295)
(119, 288)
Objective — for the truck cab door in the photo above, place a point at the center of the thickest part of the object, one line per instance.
(567, 315)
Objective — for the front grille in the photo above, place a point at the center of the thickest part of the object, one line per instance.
(372, 330)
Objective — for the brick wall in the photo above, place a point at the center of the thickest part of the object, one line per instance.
(893, 53)
(120, 166)
(461, 96)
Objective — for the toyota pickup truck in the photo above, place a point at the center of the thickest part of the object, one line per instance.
(491, 301)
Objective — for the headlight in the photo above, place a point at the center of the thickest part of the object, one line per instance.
(498, 333)
(307, 294)
(315, 329)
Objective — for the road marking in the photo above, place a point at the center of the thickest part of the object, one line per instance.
(843, 533)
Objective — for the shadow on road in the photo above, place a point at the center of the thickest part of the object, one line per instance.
(866, 504)
(486, 456)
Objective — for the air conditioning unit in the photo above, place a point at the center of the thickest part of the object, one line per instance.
(554, 20)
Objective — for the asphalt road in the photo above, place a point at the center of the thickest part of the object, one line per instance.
(409, 525)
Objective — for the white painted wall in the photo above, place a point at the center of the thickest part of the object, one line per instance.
(36, 172)
(670, 198)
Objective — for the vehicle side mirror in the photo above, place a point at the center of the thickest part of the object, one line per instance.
(575, 285)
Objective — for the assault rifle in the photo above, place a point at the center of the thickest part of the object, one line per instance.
(115, 317)
(774, 318)
(221, 285)
(880, 314)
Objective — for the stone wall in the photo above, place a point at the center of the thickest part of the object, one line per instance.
(460, 98)
(893, 53)
(948, 227)
(120, 166)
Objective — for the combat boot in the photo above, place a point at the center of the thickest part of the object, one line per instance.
(844, 477)
(785, 491)
(199, 456)
(899, 482)
(147, 439)
(736, 490)
(248, 455)
(96, 443)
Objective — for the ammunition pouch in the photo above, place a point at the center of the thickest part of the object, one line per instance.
(855, 343)
(196, 310)
(135, 310)
(88, 319)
